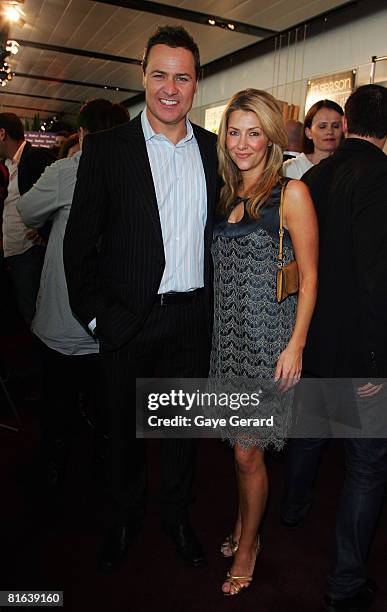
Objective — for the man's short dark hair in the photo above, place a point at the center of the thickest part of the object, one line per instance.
(366, 111)
(64, 133)
(173, 36)
(12, 125)
(100, 114)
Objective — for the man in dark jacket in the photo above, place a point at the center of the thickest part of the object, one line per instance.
(147, 193)
(23, 258)
(348, 339)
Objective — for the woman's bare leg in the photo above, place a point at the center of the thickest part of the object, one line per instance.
(252, 486)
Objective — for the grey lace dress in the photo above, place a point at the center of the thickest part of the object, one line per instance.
(250, 327)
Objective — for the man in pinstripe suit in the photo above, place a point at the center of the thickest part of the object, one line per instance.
(146, 194)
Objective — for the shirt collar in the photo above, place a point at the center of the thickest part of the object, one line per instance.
(361, 144)
(149, 132)
(16, 158)
(294, 153)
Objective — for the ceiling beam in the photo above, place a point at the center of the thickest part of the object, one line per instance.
(322, 22)
(194, 16)
(25, 75)
(26, 95)
(81, 52)
(40, 110)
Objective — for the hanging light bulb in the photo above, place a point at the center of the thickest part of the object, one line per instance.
(12, 13)
(5, 74)
(12, 47)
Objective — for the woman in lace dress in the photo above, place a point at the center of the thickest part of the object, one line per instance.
(257, 341)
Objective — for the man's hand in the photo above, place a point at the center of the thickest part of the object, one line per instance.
(369, 389)
(36, 238)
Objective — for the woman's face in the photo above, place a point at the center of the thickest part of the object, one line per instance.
(246, 141)
(326, 130)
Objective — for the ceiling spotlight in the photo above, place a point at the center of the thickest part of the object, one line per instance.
(212, 22)
(231, 26)
(12, 47)
(117, 89)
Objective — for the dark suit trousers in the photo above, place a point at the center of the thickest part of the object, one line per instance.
(64, 379)
(172, 343)
(25, 271)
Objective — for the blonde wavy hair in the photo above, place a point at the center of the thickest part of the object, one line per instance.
(269, 114)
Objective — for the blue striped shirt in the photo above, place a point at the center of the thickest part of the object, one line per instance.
(180, 185)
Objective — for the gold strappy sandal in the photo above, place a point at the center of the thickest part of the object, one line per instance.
(229, 546)
(237, 583)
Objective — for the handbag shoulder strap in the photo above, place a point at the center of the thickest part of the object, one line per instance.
(281, 226)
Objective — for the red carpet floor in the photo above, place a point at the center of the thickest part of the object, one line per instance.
(55, 548)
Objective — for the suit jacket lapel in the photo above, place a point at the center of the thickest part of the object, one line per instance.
(209, 168)
(209, 159)
(140, 173)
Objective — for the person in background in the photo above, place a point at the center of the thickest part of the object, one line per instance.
(3, 193)
(322, 134)
(23, 249)
(257, 341)
(69, 352)
(294, 130)
(69, 147)
(60, 138)
(348, 341)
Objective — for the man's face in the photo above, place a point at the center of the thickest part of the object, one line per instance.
(170, 85)
(59, 140)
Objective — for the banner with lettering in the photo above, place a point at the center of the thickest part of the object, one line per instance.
(337, 87)
(41, 139)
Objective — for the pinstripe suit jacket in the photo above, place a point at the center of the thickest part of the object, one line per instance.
(113, 247)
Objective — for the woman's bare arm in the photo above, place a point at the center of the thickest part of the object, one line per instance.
(301, 221)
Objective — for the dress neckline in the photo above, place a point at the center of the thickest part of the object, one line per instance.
(237, 201)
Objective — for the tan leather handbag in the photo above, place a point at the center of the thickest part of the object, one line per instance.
(287, 274)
